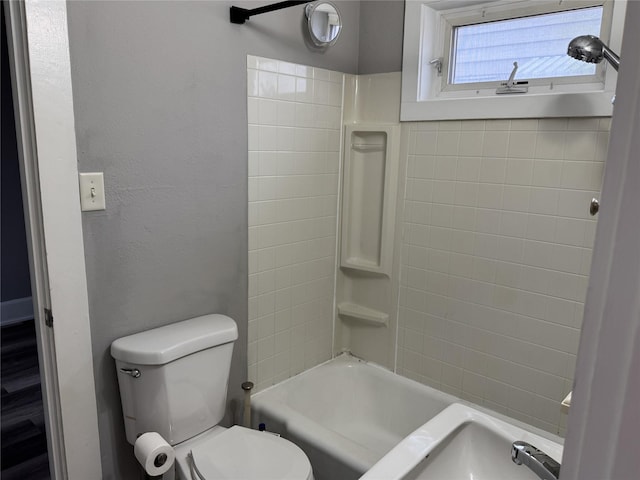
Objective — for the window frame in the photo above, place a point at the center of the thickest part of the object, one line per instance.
(428, 35)
(454, 21)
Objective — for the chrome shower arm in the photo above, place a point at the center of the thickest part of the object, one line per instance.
(610, 55)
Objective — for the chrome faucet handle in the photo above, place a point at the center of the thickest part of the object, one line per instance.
(133, 372)
(523, 453)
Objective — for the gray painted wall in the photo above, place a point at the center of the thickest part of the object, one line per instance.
(381, 35)
(160, 108)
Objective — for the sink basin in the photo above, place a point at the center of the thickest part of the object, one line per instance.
(461, 443)
(471, 452)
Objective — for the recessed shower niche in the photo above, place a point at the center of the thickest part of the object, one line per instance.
(370, 186)
(369, 197)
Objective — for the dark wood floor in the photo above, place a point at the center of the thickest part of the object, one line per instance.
(23, 439)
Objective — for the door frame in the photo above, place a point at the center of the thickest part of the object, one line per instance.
(604, 419)
(38, 44)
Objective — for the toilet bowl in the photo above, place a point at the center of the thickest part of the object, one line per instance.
(241, 453)
(173, 381)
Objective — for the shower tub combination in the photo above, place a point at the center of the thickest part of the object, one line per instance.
(346, 414)
(349, 416)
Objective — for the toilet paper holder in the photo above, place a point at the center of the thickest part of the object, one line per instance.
(160, 460)
(154, 453)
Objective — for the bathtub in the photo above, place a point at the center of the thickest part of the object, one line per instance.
(346, 414)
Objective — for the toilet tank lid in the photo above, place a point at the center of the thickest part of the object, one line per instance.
(165, 344)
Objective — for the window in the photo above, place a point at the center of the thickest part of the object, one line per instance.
(485, 52)
(455, 58)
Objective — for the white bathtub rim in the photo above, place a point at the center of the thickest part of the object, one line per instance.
(350, 452)
(347, 359)
(298, 425)
(344, 357)
(405, 456)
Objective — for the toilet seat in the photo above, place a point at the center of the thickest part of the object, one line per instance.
(240, 453)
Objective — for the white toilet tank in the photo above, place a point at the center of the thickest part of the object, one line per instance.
(173, 379)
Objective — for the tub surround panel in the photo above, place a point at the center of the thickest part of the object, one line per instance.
(295, 115)
(373, 102)
(492, 249)
(495, 259)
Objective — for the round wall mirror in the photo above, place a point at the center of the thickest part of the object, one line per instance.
(323, 20)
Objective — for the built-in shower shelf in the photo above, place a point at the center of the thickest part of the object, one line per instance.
(364, 314)
(364, 147)
(370, 182)
(363, 265)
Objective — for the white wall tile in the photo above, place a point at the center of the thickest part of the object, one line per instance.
(295, 120)
(447, 143)
(286, 87)
(543, 201)
(516, 198)
(471, 142)
(495, 256)
(495, 144)
(550, 145)
(519, 172)
(468, 169)
(522, 144)
(552, 124)
(494, 259)
(576, 175)
(580, 145)
(513, 224)
(267, 113)
(547, 173)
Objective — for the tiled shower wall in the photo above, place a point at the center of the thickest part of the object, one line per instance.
(295, 117)
(495, 257)
(495, 254)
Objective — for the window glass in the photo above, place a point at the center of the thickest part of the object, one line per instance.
(485, 52)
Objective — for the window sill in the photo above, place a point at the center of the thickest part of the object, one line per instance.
(528, 105)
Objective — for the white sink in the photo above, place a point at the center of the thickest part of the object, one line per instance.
(471, 452)
(461, 443)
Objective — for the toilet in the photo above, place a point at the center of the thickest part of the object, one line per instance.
(173, 380)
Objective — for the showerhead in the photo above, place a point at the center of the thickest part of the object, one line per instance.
(591, 49)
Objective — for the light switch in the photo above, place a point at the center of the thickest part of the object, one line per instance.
(92, 191)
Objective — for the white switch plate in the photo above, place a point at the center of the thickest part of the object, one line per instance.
(92, 191)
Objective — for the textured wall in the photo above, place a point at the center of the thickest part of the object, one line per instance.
(381, 36)
(496, 256)
(161, 108)
(295, 116)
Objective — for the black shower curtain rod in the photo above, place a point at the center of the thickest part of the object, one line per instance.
(241, 15)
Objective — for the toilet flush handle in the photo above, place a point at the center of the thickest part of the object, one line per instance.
(134, 372)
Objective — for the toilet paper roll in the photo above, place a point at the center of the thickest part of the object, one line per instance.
(154, 454)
